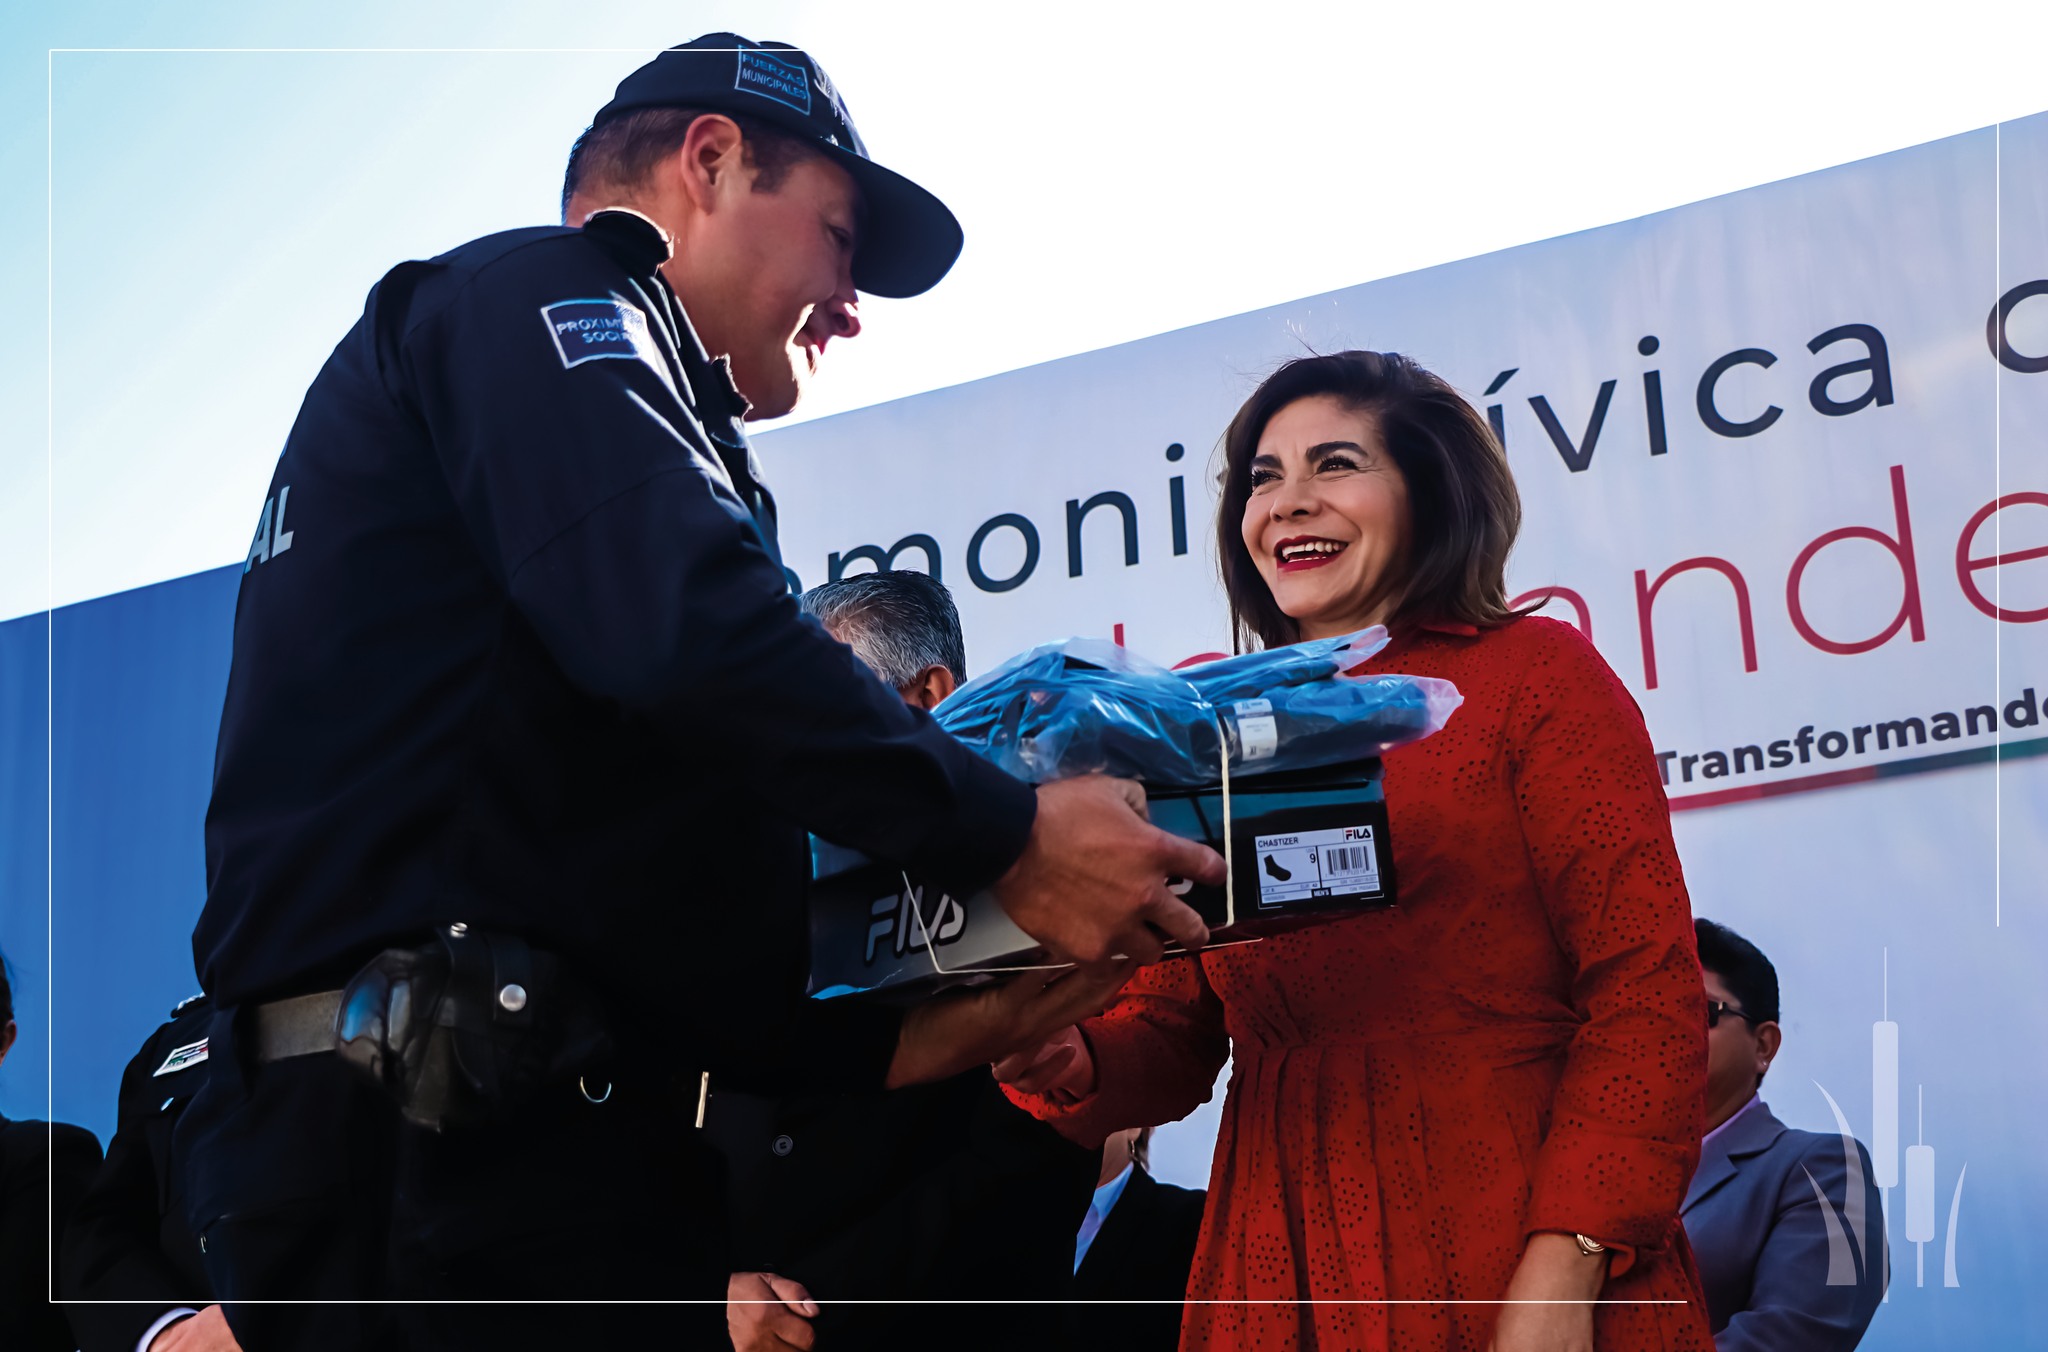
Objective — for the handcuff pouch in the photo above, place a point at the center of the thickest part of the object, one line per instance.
(468, 1026)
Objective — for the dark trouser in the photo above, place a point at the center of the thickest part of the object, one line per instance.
(305, 1185)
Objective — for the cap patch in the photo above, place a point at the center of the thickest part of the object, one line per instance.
(784, 82)
(189, 1055)
(585, 330)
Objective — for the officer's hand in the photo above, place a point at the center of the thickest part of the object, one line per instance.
(1093, 876)
(206, 1331)
(761, 1313)
(1062, 1068)
(945, 1036)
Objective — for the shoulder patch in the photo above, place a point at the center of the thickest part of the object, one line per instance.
(182, 1058)
(586, 330)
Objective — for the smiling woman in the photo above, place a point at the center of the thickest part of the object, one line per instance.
(1362, 449)
(1327, 523)
(1464, 1123)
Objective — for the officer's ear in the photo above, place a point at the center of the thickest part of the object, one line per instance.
(712, 160)
(931, 686)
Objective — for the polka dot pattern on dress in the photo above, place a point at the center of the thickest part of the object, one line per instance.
(1519, 1045)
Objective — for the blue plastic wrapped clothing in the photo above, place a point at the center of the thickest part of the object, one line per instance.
(1087, 706)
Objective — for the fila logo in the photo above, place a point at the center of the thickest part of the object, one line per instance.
(901, 918)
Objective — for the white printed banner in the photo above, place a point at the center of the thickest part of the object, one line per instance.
(1784, 456)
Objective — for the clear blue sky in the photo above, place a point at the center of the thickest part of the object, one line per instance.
(1120, 169)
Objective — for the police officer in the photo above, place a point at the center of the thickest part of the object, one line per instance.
(131, 1264)
(523, 729)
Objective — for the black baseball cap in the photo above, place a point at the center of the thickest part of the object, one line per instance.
(909, 239)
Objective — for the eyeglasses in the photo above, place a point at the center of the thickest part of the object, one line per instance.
(1716, 1008)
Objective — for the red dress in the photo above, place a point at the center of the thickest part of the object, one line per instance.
(1518, 1046)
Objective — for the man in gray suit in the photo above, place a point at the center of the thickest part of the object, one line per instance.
(1786, 1224)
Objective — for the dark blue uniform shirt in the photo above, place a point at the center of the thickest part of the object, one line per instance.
(514, 647)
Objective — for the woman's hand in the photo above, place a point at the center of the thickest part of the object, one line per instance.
(1061, 1068)
(952, 1033)
(1552, 1270)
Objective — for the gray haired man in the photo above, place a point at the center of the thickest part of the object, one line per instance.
(902, 624)
(940, 1192)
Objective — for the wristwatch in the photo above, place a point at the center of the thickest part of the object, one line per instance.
(1592, 1248)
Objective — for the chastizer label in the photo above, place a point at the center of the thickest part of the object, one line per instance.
(1316, 865)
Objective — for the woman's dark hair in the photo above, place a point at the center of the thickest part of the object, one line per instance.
(1742, 967)
(6, 993)
(1461, 497)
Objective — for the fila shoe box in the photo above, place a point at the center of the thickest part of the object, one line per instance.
(1306, 847)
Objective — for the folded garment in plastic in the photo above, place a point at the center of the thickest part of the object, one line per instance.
(1302, 821)
(1086, 706)
(1304, 848)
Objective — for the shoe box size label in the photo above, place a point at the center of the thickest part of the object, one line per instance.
(1303, 866)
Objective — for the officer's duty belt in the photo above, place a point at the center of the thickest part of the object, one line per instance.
(299, 1026)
